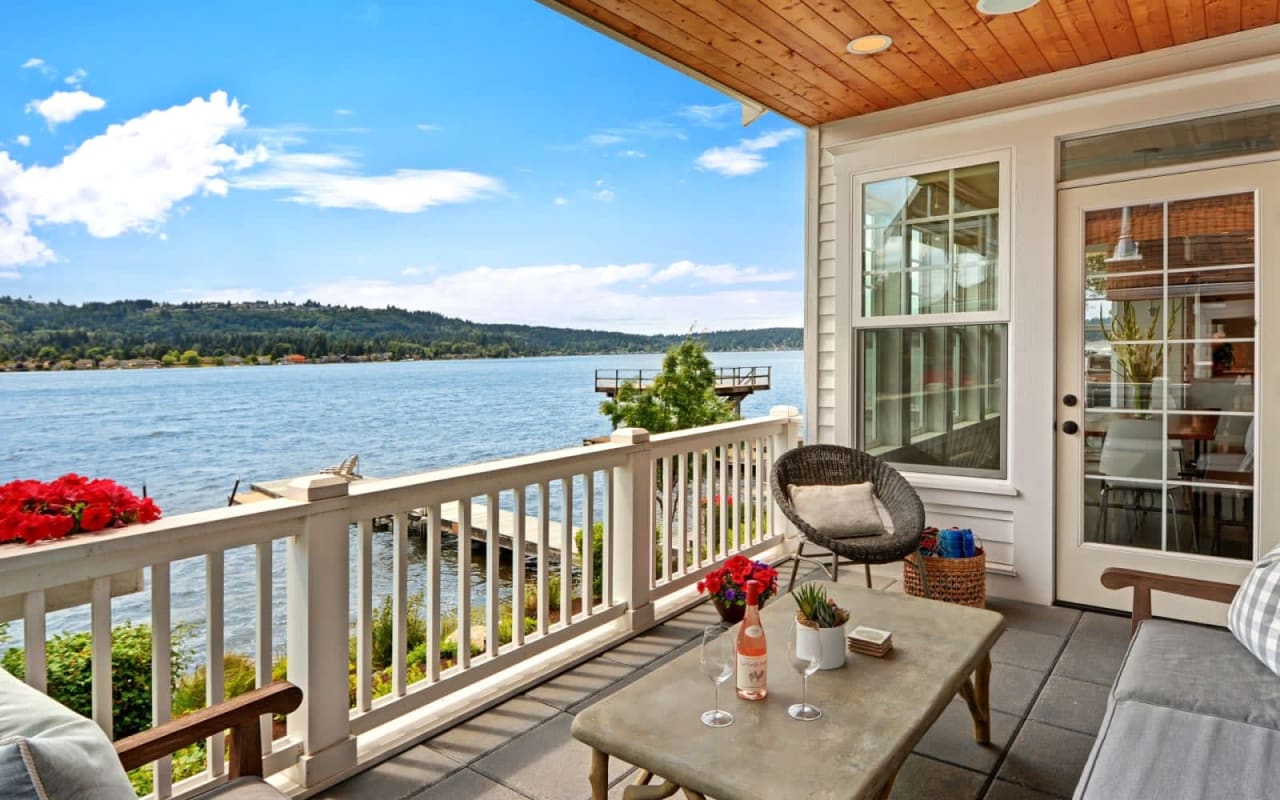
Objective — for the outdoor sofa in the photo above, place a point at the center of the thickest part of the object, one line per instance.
(1193, 714)
(49, 751)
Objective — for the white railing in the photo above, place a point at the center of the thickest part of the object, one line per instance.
(596, 536)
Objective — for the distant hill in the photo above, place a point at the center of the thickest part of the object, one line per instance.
(128, 329)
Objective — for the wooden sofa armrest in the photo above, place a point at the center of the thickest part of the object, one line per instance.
(239, 714)
(1144, 583)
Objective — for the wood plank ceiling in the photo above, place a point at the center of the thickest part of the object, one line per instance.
(789, 55)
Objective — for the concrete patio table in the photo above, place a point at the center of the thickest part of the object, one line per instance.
(875, 710)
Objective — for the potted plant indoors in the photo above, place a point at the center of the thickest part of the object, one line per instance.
(820, 620)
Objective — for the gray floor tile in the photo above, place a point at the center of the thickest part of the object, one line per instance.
(643, 649)
(922, 777)
(495, 727)
(466, 784)
(547, 763)
(1072, 704)
(613, 687)
(615, 791)
(1014, 688)
(951, 738)
(1093, 660)
(684, 628)
(1035, 618)
(572, 687)
(1003, 790)
(1046, 758)
(395, 778)
(1104, 627)
(1026, 649)
(674, 654)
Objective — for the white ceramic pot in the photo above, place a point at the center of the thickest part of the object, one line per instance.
(834, 644)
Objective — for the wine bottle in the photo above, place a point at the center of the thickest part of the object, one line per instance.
(753, 654)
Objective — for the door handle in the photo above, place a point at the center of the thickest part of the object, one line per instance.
(1070, 427)
(1069, 400)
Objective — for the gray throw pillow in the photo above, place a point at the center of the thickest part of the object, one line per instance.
(68, 757)
(1254, 617)
(17, 779)
(842, 511)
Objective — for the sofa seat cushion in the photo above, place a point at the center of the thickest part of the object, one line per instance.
(1147, 752)
(1198, 670)
(244, 789)
(71, 757)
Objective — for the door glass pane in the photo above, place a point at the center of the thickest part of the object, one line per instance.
(929, 195)
(1169, 368)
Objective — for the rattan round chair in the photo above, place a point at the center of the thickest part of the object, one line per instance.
(832, 465)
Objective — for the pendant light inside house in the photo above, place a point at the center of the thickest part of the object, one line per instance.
(869, 44)
(994, 7)
(1126, 245)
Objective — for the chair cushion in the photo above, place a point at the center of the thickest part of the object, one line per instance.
(16, 779)
(1147, 752)
(1254, 617)
(71, 756)
(244, 789)
(1199, 670)
(838, 511)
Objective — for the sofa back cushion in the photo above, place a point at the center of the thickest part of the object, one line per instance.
(66, 756)
(1254, 617)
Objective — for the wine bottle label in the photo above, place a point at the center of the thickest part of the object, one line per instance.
(754, 632)
(753, 672)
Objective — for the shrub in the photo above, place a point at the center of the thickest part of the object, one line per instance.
(239, 676)
(69, 660)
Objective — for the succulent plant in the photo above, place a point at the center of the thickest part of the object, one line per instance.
(816, 608)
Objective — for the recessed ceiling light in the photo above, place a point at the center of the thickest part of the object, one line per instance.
(994, 7)
(870, 44)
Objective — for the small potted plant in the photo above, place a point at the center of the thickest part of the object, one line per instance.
(820, 620)
(727, 585)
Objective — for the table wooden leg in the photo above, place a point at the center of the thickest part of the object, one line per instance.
(637, 792)
(599, 775)
(888, 789)
(977, 695)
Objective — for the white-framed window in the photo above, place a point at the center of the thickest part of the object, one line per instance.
(931, 315)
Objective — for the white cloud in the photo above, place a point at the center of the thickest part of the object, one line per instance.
(611, 297)
(632, 154)
(724, 274)
(428, 127)
(76, 78)
(127, 179)
(413, 272)
(603, 193)
(38, 64)
(602, 139)
(343, 112)
(23, 140)
(61, 107)
(711, 116)
(561, 201)
(333, 181)
(745, 157)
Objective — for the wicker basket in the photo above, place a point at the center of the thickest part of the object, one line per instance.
(954, 580)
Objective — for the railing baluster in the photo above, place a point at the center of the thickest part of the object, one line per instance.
(723, 505)
(215, 686)
(100, 628)
(463, 634)
(161, 670)
(262, 632)
(432, 600)
(566, 551)
(736, 477)
(364, 614)
(492, 558)
(760, 466)
(588, 543)
(517, 567)
(35, 668)
(748, 508)
(606, 560)
(399, 601)
(659, 535)
(695, 509)
(544, 557)
(681, 509)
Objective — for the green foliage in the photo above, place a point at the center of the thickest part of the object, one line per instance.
(191, 358)
(816, 607)
(239, 676)
(68, 656)
(384, 629)
(597, 557)
(681, 396)
(146, 329)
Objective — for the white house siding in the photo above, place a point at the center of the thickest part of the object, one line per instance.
(1015, 517)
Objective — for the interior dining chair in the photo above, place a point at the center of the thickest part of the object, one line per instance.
(1134, 460)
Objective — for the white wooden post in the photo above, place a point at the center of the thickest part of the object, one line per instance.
(318, 630)
(782, 441)
(633, 528)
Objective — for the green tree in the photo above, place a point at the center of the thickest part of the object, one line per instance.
(683, 395)
(191, 358)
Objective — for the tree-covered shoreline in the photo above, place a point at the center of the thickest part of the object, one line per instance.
(39, 335)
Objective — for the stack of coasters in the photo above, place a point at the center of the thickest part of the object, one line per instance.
(870, 641)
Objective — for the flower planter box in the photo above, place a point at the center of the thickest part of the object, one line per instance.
(72, 594)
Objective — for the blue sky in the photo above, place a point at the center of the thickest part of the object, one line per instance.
(494, 161)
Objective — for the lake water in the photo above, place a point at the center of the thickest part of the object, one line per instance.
(189, 434)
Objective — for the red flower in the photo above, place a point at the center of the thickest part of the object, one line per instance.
(31, 511)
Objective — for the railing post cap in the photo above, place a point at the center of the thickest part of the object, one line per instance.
(629, 436)
(316, 487)
(784, 411)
